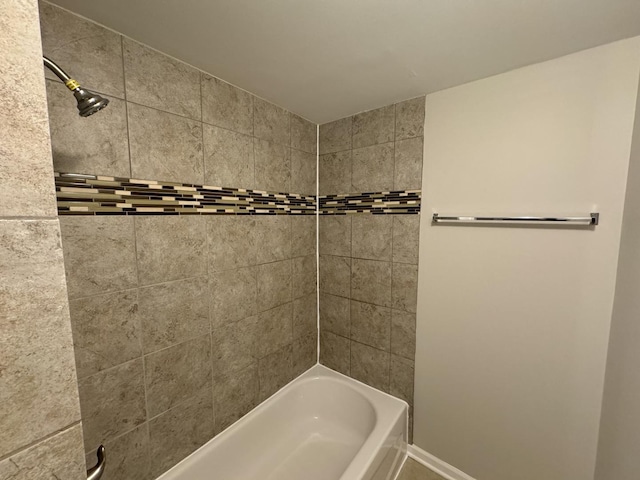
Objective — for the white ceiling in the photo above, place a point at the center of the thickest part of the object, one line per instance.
(327, 59)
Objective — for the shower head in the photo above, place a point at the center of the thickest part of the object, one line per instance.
(88, 102)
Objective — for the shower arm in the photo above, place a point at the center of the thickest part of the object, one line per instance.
(88, 102)
(61, 74)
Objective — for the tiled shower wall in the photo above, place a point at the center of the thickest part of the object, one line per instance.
(40, 430)
(181, 324)
(369, 262)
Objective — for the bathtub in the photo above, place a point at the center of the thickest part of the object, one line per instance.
(321, 426)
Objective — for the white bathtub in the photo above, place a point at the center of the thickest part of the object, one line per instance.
(322, 426)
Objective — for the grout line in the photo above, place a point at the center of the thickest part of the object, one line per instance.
(117, 437)
(350, 226)
(318, 241)
(204, 173)
(147, 354)
(393, 221)
(126, 105)
(135, 250)
(39, 440)
(253, 141)
(25, 217)
(213, 383)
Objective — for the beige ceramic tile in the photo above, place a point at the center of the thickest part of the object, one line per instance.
(335, 352)
(173, 312)
(273, 238)
(273, 166)
(38, 389)
(335, 314)
(226, 106)
(305, 352)
(177, 373)
(233, 348)
(371, 282)
(70, 40)
(180, 431)
(228, 158)
(370, 366)
(408, 164)
(410, 118)
(275, 329)
(405, 287)
(334, 170)
(112, 403)
(274, 284)
(104, 148)
(106, 331)
(170, 248)
(57, 457)
(406, 238)
(235, 395)
(303, 235)
(403, 334)
(371, 325)
(373, 127)
(99, 254)
(336, 136)
(303, 172)
(270, 122)
(305, 315)
(275, 371)
(164, 146)
(303, 134)
(26, 174)
(159, 81)
(127, 456)
(38, 393)
(232, 241)
(335, 235)
(304, 275)
(372, 235)
(335, 274)
(401, 378)
(233, 295)
(372, 169)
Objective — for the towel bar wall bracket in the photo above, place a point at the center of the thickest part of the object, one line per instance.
(95, 472)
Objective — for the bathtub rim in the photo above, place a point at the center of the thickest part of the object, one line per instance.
(364, 458)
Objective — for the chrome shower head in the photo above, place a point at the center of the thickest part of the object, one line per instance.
(88, 102)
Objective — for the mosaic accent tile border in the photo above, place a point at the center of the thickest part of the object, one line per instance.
(80, 194)
(380, 203)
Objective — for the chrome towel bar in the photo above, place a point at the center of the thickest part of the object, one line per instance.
(592, 219)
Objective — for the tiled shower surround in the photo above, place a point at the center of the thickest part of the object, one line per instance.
(369, 263)
(189, 243)
(181, 323)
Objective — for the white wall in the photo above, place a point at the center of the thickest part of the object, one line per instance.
(618, 457)
(513, 323)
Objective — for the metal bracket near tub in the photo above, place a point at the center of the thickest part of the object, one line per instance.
(95, 473)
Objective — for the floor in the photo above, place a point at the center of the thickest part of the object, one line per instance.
(412, 470)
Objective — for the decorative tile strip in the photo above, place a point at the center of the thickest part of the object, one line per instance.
(379, 203)
(80, 194)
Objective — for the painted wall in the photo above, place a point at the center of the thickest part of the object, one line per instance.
(181, 324)
(513, 323)
(40, 431)
(620, 422)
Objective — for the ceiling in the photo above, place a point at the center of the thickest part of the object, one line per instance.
(327, 59)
